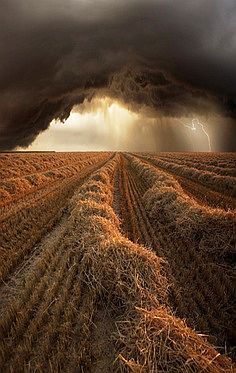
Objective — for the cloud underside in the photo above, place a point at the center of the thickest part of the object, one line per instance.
(166, 58)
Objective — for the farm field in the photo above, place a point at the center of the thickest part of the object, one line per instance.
(117, 262)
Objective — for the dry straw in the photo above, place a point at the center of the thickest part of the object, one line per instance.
(129, 281)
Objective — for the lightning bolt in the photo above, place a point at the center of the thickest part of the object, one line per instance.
(193, 127)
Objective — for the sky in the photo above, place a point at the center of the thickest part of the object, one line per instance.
(117, 75)
(109, 126)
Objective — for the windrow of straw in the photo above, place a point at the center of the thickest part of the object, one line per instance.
(12, 188)
(22, 164)
(221, 160)
(165, 201)
(26, 223)
(228, 168)
(223, 184)
(106, 273)
(129, 280)
(198, 244)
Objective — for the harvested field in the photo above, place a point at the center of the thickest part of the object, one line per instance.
(219, 178)
(116, 262)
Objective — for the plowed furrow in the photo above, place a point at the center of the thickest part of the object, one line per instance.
(123, 205)
(129, 208)
(149, 236)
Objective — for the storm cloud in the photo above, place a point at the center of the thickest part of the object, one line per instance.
(172, 58)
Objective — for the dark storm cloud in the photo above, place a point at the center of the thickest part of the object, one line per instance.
(174, 57)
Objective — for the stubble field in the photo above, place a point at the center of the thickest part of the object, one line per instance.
(117, 262)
